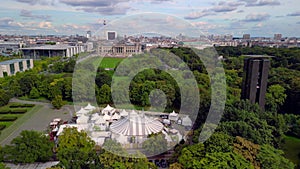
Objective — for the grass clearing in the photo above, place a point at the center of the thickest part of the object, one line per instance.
(291, 147)
(111, 63)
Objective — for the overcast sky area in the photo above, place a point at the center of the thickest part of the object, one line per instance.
(235, 17)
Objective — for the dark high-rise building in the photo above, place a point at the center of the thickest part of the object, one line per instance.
(111, 35)
(256, 70)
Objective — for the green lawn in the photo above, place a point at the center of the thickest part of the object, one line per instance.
(111, 63)
(291, 147)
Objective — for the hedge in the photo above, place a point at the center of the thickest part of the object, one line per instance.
(5, 111)
(2, 126)
(8, 118)
(18, 105)
(18, 111)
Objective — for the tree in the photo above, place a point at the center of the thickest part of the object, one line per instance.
(29, 147)
(104, 94)
(275, 97)
(222, 160)
(219, 142)
(34, 93)
(76, 150)
(4, 99)
(57, 102)
(155, 144)
(271, 158)
(190, 156)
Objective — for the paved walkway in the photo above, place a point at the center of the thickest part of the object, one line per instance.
(37, 119)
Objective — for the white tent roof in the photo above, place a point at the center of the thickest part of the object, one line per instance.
(136, 126)
(90, 107)
(108, 108)
(173, 114)
(116, 116)
(100, 120)
(186, 121)
(81, 112)
(82, 120)
(106, 117)
(124, 113)
(95, 117)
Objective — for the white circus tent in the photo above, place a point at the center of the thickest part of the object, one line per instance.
(95, 117)
(116, 116)
(81, 112)
(89, 107)
(186, 121)
(82, 119)
(107, 117)
(136, 125)
(123, 113)
(173, 116)
(100, 121)
(108, 110)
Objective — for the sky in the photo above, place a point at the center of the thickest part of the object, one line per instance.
(234, 17)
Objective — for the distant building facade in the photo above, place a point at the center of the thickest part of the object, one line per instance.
(246, 36)
(51, 51)
(10, 47)
(256, 70)
(11, 67)
(88, 34)
(119, 49)
(277, 36)
(111, 35)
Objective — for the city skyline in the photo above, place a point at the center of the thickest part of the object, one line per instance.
(66, 17)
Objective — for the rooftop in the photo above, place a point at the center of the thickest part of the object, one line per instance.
(50, 47)
(11, 61)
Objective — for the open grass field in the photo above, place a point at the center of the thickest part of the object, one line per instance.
(109, 62)
(291, 147)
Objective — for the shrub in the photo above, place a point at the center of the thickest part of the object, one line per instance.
(8, 118)
(20, 105)
(5, 111)
(18, 111)
(2, 126)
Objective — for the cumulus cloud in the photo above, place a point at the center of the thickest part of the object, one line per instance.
(222, 6)
(197, 15)
(257, 17)
(111, 7)
(7, 22)
(35, 2)
(28, 14)
(46, 25)
(227, 6)
(297, 13)
(261, 2)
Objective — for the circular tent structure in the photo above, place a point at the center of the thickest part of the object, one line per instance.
(138, 126)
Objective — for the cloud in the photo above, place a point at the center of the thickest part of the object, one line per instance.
(92, 3)
(110, 10)
(35, 2)
(197, 15)
(7, 22)
(258, 17)
(261, 2)
(106, 7)
(28, 14)
(297, 13)
(45, 25)
(223, 6)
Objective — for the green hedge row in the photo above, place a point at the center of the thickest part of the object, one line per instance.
(20, 105)
(2, 126)
(8, 118)
(14, 111)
